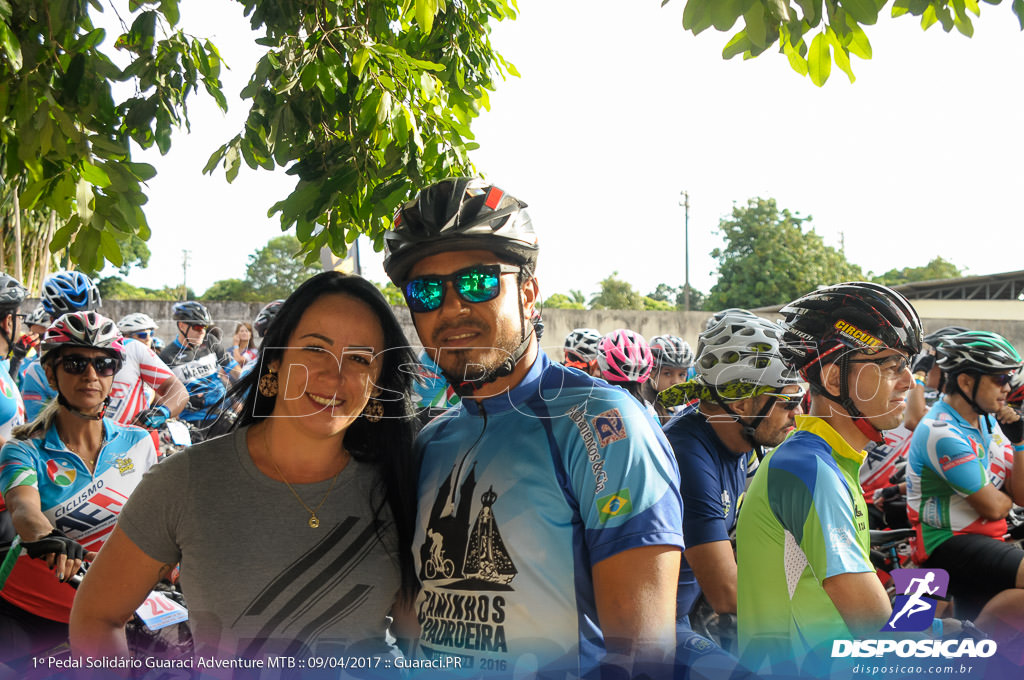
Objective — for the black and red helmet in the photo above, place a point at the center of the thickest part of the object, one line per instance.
(857, 316)
(463, 213)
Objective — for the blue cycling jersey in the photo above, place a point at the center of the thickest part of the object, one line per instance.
(81, 502)
(35, 390)
(12, 409)
(520, 495)
(713, 480)
(199, 370)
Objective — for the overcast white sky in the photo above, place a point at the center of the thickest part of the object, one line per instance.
(618, 110)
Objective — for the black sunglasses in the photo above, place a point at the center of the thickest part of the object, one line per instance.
(195, 326)
(76, 364)
(478, 283)
(787, 402)
(1001, 378)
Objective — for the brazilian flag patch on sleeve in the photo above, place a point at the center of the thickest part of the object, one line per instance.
(613, 505)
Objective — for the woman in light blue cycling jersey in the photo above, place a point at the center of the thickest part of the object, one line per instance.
(64, 478)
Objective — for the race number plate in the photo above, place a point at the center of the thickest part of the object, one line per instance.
(160, 611)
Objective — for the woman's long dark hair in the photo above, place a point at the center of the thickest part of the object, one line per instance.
(387, 444)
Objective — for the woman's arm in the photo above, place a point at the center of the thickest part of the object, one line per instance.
(118, 581)
(32, 525)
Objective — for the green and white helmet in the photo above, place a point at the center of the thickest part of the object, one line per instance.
(977, 352)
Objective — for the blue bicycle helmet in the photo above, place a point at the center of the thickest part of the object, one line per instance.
(67, 292)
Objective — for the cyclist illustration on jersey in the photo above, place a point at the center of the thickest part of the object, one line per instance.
(452, 549)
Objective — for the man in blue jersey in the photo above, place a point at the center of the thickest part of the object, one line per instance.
(548, 529)
(748, 397)
(201, 365)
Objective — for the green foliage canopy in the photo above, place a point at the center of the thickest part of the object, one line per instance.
(815, 33)
(231, 289)
(362, 102)
(65, 137)
(616, 294)
(938, 268)
(769, 259)
(274, 271)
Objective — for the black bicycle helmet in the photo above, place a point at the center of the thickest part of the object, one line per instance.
(262, 321)
(192, 312)
(935, 337)
(463, 213)
(828, 325)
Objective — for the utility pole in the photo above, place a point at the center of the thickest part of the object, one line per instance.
(686, 235)
(185, 255)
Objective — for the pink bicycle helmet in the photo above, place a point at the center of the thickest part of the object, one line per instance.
(624, 356)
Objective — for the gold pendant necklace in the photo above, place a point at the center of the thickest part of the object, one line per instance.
(314, 521)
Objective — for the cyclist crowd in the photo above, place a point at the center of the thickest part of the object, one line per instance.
(552, 517)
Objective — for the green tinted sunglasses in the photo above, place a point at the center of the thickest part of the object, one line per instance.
(479, 283)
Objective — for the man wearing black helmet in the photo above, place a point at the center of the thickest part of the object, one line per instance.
(200, 364)
(805, 575)
(965, 472)
(886, 496)
(548, 500)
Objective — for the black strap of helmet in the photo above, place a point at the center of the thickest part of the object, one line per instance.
(466, 388)
(844, 400)
(82, 414)
(972, 400)
(747, 427)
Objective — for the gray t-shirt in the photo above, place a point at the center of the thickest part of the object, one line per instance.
(257, 579)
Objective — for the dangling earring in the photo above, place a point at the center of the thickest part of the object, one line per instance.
(374, 411)
(268, 384)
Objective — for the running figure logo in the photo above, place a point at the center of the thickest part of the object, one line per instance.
(914, 610)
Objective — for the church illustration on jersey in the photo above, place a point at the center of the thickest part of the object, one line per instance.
(470, 555)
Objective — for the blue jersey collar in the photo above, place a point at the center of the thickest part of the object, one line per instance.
(528, 386)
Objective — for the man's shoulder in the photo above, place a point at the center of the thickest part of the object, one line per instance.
(800, 456)
(173, 353)
(688, 427)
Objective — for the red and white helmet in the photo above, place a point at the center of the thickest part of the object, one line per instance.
(83, 329)
(624, 356)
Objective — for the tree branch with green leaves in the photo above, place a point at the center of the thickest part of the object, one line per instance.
(814, 34)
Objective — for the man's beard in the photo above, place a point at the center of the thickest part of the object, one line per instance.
(474, 363)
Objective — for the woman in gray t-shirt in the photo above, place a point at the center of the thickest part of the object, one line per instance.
(293, 531)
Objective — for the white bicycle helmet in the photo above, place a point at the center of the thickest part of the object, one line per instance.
(740, 354)
(671, 351)
(584, 343)
(731, 311)
(133, 323)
